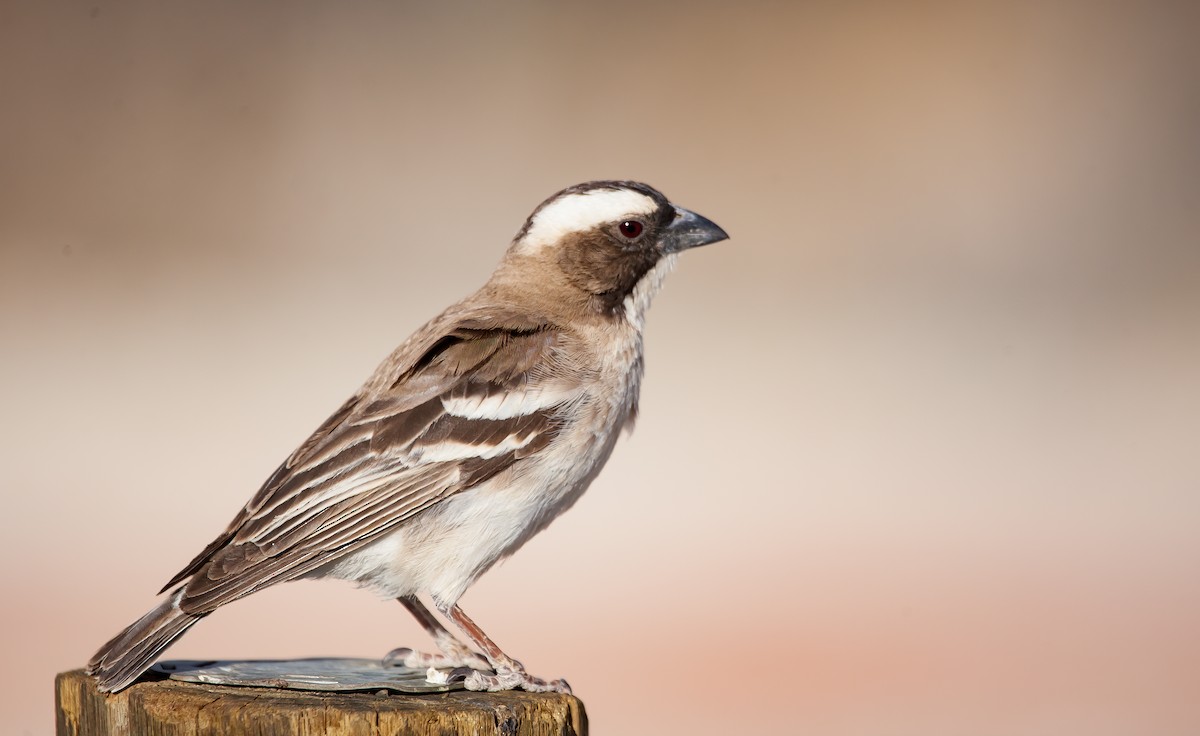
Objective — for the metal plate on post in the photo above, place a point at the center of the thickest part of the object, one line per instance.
(323, 675)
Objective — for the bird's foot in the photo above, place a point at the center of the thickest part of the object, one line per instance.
(451, 657)
(506, 679)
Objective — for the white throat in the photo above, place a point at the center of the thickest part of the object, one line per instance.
(643, 292)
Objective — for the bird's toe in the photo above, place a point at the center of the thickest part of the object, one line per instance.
(407, 657)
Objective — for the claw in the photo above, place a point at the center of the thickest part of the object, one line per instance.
(538, 685)
(400, 654)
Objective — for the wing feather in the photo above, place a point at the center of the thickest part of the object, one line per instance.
(389, 453)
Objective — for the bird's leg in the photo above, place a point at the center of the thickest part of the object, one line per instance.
(453, 652)
(509, 673)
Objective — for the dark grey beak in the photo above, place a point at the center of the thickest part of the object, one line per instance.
(690, 230)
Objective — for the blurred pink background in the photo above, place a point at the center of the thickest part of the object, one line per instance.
(918, 447)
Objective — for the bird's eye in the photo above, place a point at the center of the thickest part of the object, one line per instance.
(631, 229)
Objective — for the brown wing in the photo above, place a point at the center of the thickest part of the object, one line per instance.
(475, 400)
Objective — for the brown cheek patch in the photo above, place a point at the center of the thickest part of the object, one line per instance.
(602, 268)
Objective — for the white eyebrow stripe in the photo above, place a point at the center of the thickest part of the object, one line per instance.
(583, 211)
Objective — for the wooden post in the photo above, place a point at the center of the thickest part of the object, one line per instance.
(167, 707)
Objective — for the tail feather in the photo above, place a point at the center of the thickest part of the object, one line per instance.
(130, 653)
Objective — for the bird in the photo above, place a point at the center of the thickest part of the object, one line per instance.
(474, 434)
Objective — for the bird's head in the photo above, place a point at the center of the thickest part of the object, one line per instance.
(614, 240)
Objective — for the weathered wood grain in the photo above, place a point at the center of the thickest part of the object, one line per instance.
(170, 708)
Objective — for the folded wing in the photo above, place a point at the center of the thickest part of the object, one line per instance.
(471, 401)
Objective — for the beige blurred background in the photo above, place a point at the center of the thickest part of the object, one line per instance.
(918, 448)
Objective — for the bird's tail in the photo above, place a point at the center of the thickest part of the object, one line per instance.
(130, 653)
